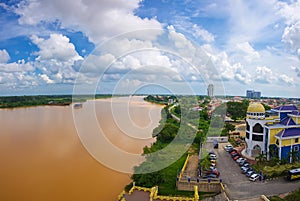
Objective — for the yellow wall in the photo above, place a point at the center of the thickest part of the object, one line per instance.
(288, 142)
(273, 132)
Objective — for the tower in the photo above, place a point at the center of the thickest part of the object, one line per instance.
(255, 123)
(210, 90)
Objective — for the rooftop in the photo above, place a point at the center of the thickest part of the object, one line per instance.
(256, 108)
(287, 121)
(286, 107)
(296, 113)
(289, 132)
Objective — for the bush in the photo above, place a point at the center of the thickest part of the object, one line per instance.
(279, 170)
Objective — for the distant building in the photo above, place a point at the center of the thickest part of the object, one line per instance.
(275, 133)
(251, 94)
(210, 90)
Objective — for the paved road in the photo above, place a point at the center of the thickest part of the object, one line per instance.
(238, 185)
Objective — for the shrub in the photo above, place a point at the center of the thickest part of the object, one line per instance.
(279, 170)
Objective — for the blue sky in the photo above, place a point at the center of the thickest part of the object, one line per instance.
(150, 46)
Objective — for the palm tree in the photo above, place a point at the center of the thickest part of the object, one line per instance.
(205, 163)
(261, 160)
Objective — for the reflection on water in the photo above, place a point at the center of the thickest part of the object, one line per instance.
(42, 157)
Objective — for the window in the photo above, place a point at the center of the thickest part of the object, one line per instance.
(257, 128)
(277, 142)
(257, 137)
(296, 140)
(247, 135)
(296, 148)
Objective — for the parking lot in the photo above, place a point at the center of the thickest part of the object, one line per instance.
(238, 186)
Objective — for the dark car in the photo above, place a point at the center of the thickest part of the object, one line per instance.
(210, 176)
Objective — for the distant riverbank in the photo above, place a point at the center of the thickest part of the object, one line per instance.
(39, 100)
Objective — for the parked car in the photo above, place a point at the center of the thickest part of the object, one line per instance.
(242, 162)
(212, 157)
(216, 145)
(231, 150)
(210, 176)
(235, 154)
(250, 172)
(228, 147)
(246, 164)
(245, 169)
(213, 172)
(254, 177)
(236, 157)
(240, 159)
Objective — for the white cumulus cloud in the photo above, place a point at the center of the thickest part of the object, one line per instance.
(4, 56)
(199, 32)
(291, 35)
(56, 47)
(286, 79)
(55, 58)
(97, 19)
(247, 51)
(264, 74)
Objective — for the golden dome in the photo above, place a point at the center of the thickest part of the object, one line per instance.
(256, 108)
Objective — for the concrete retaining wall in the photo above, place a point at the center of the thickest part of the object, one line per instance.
(202, 186)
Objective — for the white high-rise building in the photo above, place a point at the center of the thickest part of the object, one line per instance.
(210, 90)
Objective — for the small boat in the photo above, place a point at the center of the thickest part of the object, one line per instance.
(77, 105)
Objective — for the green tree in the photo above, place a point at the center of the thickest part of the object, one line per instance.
(237, 110)
(149, 179)
(227, 128)
(266, 106)
(205, 162)
(261, 160)
(168, 133)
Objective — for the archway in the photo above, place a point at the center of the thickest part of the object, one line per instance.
(256, 151)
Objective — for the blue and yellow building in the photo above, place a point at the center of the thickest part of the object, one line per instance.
(275, 133)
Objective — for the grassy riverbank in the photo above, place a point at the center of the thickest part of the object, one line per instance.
(169, 131)
(37, 100)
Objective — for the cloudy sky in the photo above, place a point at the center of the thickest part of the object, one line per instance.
(150, 46)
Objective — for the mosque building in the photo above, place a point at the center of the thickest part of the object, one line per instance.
(275, 132)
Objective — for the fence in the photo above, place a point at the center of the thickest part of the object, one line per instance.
(154, 194)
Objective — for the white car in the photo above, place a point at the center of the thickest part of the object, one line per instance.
(254, 177)
(239, 160)
(228, 147)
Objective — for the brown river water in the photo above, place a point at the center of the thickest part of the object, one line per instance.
(43, 159)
